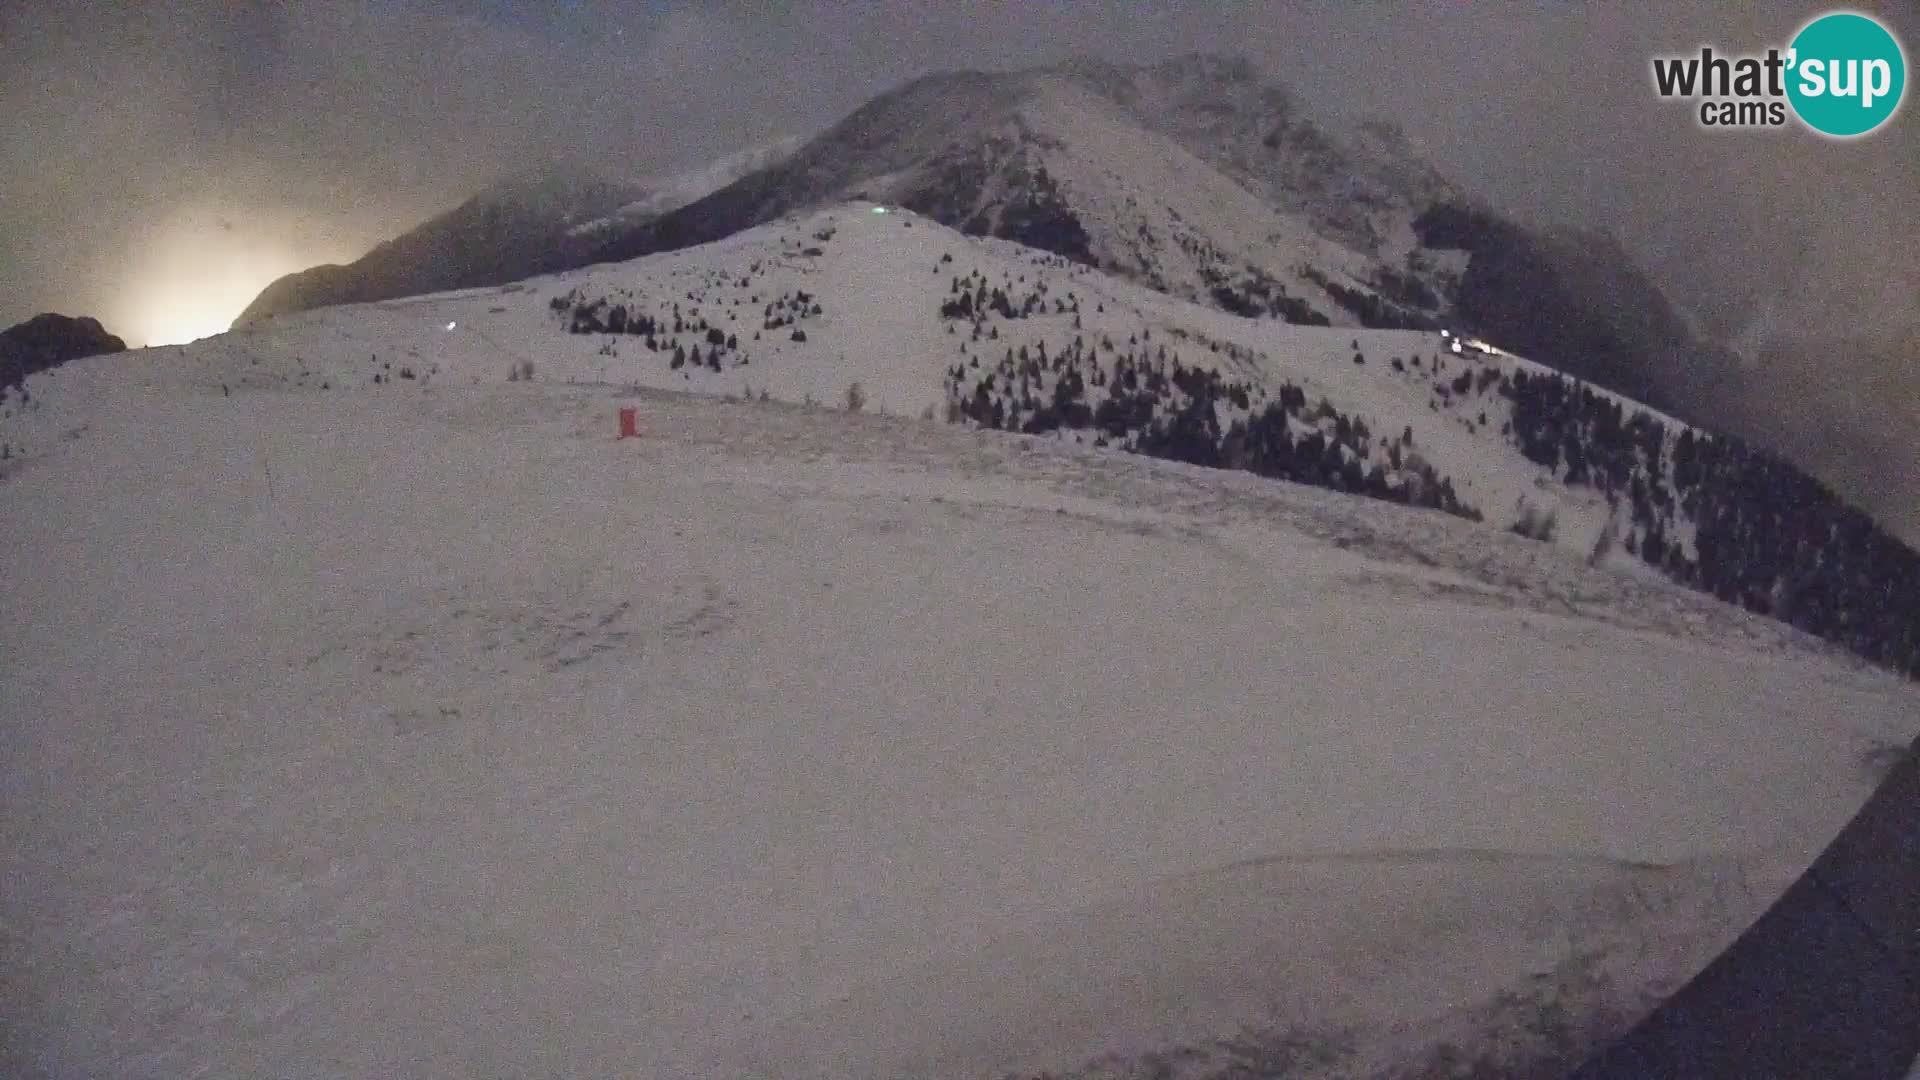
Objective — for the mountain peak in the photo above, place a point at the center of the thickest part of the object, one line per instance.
(1195, 175)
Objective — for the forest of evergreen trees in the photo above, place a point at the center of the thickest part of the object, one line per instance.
(1765, 535)
(1257, 295)
(1768, 537)
(1151, 402)
(1374, 311)
(706, 346)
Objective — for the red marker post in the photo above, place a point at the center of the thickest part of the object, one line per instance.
(629, 423)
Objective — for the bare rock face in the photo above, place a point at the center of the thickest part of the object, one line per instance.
(49, 340)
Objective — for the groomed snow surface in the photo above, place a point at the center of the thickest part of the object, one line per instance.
(432, 732)
(427, 730)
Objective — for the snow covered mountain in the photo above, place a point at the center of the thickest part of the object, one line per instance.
(874, 303)
(1200, 178)
(362, 675)
(1192, 177)
(1196, 176)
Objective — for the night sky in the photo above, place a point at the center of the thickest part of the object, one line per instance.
(162, 162)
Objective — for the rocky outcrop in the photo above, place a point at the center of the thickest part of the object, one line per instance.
(49, 340)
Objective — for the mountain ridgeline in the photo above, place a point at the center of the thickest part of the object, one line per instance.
(1030, 352)
(548, 220)
(509, 232)
(1201, 180)
(1709, 511)
(1196, 176)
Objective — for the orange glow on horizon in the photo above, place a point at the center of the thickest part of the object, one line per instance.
(195, 273)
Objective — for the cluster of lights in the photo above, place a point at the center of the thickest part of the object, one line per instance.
(1457, 344)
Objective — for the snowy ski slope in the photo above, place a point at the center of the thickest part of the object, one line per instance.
(422, 728)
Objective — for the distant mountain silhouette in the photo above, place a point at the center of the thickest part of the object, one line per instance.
(49, 340)
(549, 220)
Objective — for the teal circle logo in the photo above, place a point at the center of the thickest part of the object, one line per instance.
(1846, 74)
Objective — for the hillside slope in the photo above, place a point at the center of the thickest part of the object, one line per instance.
(550, 219)
(929, 322)
(921, 317)
(513, 229)
(423, 727)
